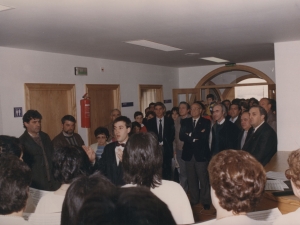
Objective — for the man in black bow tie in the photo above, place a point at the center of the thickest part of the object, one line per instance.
(110, 163)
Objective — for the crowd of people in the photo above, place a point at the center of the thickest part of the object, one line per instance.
(127, 176)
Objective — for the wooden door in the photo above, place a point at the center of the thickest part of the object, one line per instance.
(191, 95)
(103, 98)
(53, 101)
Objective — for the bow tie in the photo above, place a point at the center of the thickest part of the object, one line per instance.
(121, 144)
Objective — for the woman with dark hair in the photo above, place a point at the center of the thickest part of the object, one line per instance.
(237, 183)
(128, 206)
(293, 174)
(68, 163)
(79, 190)
(102, 135)
(150, 115)
(135, 128)
(11, 145)
(175, 113)
(142, 166)
(15, 178)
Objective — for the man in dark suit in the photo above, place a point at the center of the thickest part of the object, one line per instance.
(262, 144)
(38, 152)
(224, 132)
(235, 118)
(67, 136)
(194, 132)
(244, 134)
(163, 127)
(110, 163)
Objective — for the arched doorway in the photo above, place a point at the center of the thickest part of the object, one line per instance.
(205, 85)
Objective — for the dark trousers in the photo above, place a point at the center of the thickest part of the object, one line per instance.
(197, 172)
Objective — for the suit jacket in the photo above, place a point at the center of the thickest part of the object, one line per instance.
(238, 123)
(168, 134)
(262, 144)
(33, 156)
(177, 143)
(198, 148)
(228, 137)
(60, 140)
(107, 164)
(240, 136)
(271, 120)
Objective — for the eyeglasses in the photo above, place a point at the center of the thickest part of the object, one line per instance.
(288, 174)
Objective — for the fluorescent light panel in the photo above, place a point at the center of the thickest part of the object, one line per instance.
(3, 8)
(150, 44)
(214, 59)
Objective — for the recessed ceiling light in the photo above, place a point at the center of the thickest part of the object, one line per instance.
(214, 59)
(191, 54)
(3, 8)
(150, 44)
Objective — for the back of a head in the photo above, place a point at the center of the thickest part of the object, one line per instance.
(15, 178)
(10, 145)
(142, 160)
(139, 206)
(69, 162)
(294, 167)
(127, 206)
(78, 191)
(238, 180)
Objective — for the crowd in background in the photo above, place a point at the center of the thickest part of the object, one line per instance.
(148, 171)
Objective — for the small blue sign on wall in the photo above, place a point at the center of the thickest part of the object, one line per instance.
(18, 112)
(168, 101)
(127, 104)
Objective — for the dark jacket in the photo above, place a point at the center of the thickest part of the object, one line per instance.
(60, 140)
(240, 136)
(238, 123)
(33, 156)
(168, 134)
(197, 148)
(262, 144)
(226, 138)
(107, 164)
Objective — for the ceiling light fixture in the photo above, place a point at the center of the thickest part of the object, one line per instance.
(214, 59)
(150, 44)
(3, 8)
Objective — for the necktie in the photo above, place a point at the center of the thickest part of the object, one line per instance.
(160, 138)
(194, 123)
(244, 139)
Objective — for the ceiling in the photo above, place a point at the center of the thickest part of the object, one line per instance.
(235, 30)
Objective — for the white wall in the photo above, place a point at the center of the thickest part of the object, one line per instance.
(19, 66)
(190, 76)
(287, 61)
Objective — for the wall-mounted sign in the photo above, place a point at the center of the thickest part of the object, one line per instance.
(168, 101)
(81, 71)
(18, 112)
(127, 104)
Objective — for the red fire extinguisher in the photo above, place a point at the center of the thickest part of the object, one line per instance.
(85, 105)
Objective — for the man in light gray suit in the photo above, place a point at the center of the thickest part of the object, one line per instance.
(184, 109)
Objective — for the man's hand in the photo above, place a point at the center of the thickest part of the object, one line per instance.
(90, 153)
(119, 154)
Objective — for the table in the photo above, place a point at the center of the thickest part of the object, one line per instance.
(285, 204)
